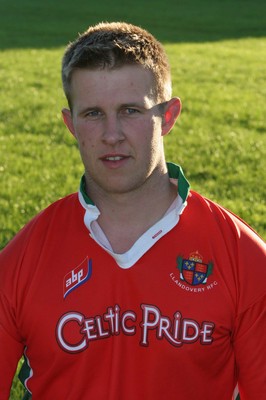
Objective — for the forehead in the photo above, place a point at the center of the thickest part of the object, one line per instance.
(127, 84)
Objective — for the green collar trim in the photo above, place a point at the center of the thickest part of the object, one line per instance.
(174, 172)
(82, 190)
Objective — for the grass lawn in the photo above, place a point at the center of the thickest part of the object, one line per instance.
(217, 52)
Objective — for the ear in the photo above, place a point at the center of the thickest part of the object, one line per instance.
(68, 121)
(172, 111)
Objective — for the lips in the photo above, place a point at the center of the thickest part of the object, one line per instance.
(113, 157)
(114, 160)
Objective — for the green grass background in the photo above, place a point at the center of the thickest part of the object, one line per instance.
(217, 50)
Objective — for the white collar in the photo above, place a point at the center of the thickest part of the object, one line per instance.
(145, 241)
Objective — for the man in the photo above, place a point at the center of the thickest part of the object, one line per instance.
(136, 287)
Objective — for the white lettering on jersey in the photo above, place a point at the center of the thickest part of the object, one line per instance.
(74, 331)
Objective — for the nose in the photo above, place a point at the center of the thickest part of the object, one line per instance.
(113, 132)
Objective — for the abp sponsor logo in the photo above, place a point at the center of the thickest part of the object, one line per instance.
(77, 276)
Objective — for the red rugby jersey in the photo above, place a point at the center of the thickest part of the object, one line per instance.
(186, 321)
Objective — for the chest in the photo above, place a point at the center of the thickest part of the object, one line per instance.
(178, 292)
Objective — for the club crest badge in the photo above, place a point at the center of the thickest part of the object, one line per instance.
(192, 270)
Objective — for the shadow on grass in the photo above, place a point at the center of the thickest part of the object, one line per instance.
(53, 23)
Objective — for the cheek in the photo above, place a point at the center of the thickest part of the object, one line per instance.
(149, 133)
(86, 144)
(84, 137)
(86, 131)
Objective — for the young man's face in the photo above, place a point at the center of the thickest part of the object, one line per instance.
(118, 126)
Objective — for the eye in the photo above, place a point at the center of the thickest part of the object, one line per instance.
(93, 114)
(130, 111)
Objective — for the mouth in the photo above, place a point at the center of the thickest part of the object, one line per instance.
(114, 161)
(114, 158)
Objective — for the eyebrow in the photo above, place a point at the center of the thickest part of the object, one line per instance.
(143, 106)
(123, 105)
(87, 109)
(137, 105)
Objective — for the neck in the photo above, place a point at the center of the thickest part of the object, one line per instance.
(125, 217)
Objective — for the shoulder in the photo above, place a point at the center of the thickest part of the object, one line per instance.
(54, 214)
(49, 231)
(241, 251)
(215, 216)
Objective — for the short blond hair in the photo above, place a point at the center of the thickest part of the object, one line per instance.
(112, 45)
